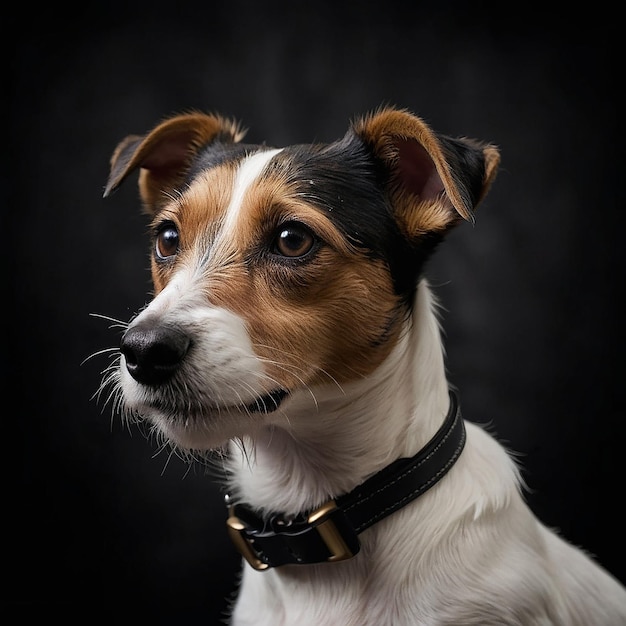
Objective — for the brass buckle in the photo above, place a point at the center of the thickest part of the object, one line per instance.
(242, 543)
(320, 519)
(328, 531)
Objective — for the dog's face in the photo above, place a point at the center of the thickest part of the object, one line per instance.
(279, 271)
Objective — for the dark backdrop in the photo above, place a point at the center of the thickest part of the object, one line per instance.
(532, 293)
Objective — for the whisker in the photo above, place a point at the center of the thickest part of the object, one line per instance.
(98, 353)
(248, 455)
(116, 323)
(291, 368)
(172, 452)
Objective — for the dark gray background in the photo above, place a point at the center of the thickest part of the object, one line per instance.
(532, 293)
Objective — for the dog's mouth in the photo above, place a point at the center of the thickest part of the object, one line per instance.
(204, 426)
(269, 402)
(168, 405)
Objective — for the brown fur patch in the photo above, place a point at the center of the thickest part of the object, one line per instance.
(196, 214)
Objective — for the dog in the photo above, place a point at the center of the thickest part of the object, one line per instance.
(293, 331)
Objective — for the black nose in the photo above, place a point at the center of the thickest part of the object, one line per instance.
(153, 352)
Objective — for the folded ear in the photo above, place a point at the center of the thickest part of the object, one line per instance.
(433, 181)
(165, 154)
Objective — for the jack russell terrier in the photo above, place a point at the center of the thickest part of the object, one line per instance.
(293, 331)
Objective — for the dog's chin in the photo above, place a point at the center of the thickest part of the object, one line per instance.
(211, 428)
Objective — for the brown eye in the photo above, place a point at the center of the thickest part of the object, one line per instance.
(293, 240)
(167, 241)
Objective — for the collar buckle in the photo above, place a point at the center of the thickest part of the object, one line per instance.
(335, 531)
(325, 536)
(243, 543)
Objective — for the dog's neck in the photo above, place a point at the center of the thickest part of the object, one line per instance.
(327, 442)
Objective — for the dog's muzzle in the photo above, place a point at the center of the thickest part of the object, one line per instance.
(153, 352)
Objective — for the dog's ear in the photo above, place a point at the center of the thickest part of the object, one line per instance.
(165, 154)
(433, 180)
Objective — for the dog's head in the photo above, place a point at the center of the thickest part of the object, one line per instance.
(280, 270)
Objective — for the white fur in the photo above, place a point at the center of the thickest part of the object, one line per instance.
(467, 552)
(247, 174)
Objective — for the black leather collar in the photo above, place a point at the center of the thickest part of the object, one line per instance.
(330, 532)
